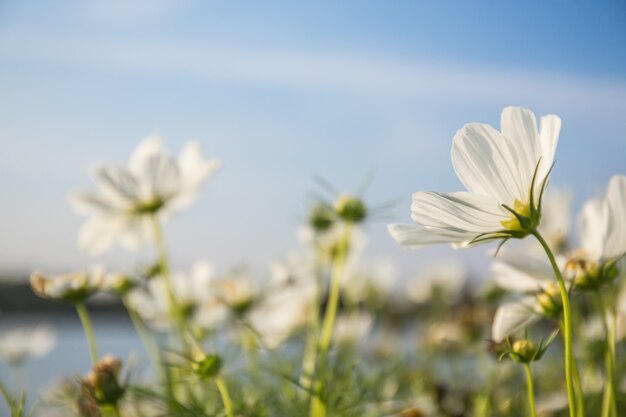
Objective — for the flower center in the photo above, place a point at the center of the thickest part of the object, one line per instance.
(513, 223)
(148, 207)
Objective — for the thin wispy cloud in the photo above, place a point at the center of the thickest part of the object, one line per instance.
(335, 72)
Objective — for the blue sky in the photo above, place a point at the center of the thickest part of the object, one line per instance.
(282, 92)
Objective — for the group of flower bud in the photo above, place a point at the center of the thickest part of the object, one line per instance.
(101, 387)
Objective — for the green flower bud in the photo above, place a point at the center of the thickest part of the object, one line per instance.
(321, 218)
(103, 381)
(204, 365)
(524, 351)
(588, 275)
(550, 301)
(351, 209)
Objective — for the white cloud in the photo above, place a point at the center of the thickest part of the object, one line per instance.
(335, 72)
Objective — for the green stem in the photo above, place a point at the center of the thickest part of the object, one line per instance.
(175, 313)
(609, 406)
(531, 393)
(144, 334)
(223, 389)
(318, 408)
(567, 324)
(164, 265)
(578, 387)
(85, 320)
(310, 349)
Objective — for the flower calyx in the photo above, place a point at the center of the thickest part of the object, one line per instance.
(527, 351)
(350, 209)
(205, 365)
(549, 301)
(590, 275)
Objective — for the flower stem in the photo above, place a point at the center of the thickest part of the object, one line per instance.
(144, 334)
(85, 320)
(164, 265)
(609, 407)
(318, 408)
(531, 393)
(567, 324)
(309, 356)
(223, 389)
(164, 268)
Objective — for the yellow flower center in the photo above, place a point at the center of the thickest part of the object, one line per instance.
(513, 223)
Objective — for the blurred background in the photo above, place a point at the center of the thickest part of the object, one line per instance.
(284, 92)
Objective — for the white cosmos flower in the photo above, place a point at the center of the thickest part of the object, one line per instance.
(531, 277)
(602, 230)
(556, 218)
(74, 287)
(602, 223)
(282, 311)
(153, 183)
(22, 343)
(503, 172)
(194, 292)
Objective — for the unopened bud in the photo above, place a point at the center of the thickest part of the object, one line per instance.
(525, 350)
(204, 365)
(351, 209)
(103, 380)
(550, 301)
(321, 218)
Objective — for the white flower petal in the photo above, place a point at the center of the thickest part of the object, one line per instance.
(194, 168)
(117, 184)
(515, 279)
(519, 126)
(483, 160)
(593, 227)
(461, 212)
(137, 233)
(150, 146)
(416, 236)
(99, 232)
(615, 245)
(513, 316)
(90, 203)
(549, 138)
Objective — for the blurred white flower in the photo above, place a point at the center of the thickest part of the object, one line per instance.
(498, 169)
(295, 267)
(602, 228)
(73, 287)
(154, 183)
(446, 278)
(20, 344)
(531, 277)
(282, 311)
(602, 224)
(370, 280)
(353, 328)
(195, 294)
(237, 290)
(556, 218)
